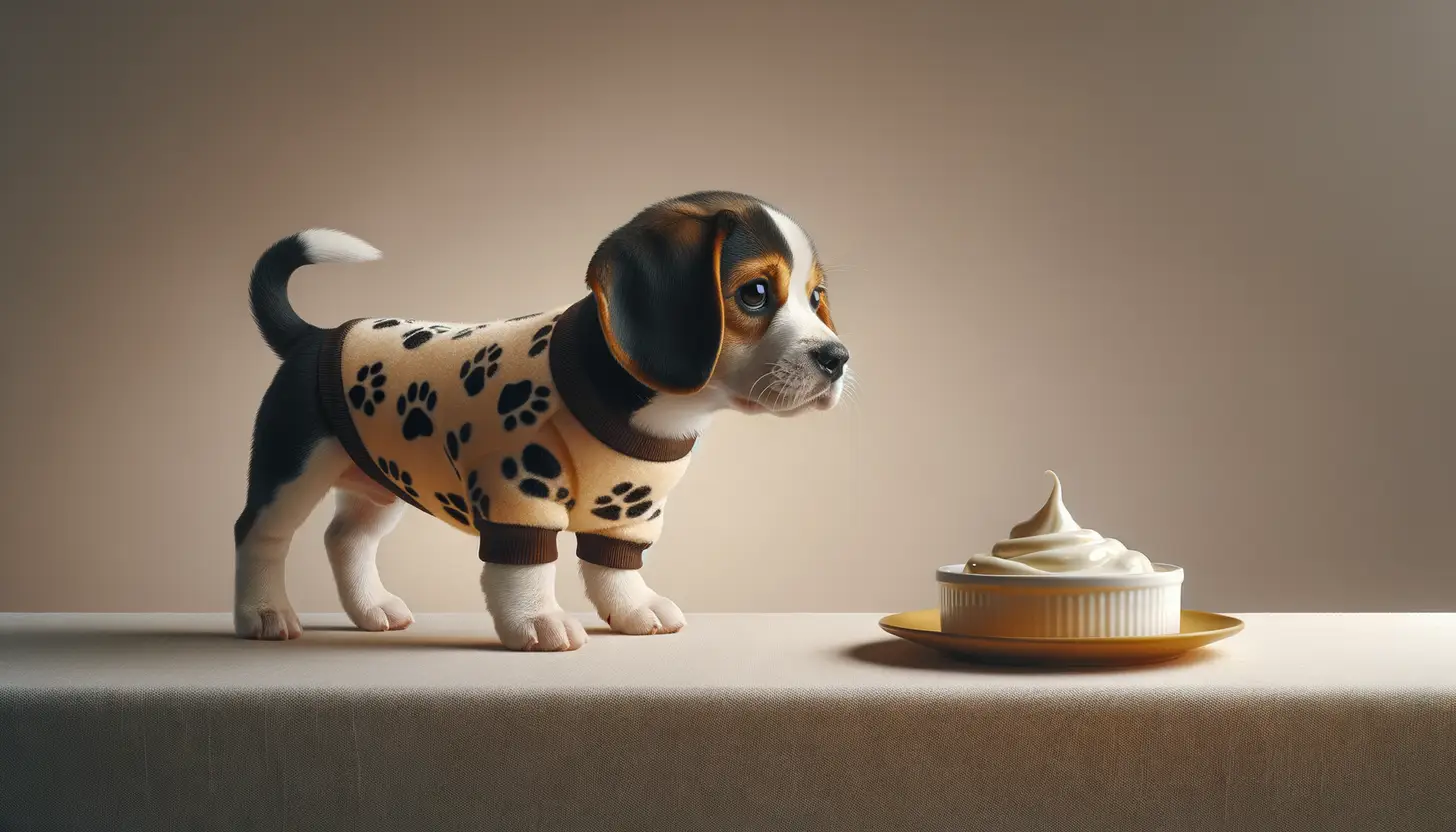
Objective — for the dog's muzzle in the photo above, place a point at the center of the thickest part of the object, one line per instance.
(830, 357)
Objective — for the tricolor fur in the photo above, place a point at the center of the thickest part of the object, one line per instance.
(709, 302)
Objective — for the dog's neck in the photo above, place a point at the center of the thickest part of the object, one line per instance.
(620, 411)
(672, 417)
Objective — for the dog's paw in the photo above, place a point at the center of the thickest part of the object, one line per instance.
(653, 615)
(379, 612)
(549, 631)
(522, 402)
(266, 621)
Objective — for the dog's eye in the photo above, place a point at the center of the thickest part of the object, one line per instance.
(815, 298)
(754, 296)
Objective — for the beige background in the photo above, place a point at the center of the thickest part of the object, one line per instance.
(1194, 256)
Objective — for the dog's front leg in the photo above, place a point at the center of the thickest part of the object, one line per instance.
(522, 604)
(611, 570)
(519, 581)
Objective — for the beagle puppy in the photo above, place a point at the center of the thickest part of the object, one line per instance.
(580, 418)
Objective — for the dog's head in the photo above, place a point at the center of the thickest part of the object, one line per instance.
(718, 299)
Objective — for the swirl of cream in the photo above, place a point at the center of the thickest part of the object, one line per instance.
(1051, 543)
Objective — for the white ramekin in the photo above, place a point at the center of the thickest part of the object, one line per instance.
(1060, 606)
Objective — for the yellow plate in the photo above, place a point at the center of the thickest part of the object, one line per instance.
(1199, 629)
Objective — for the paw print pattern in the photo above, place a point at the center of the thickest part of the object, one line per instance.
(479, 500)
(388, 323)
(483, 365)
(520, 404)
(401, 477)
(415, 405)
(453, 441)
(368, 394)
(541, 466)
(610, 506)
(468, 331)
(421, 335)
(541, 339)
(455, 506)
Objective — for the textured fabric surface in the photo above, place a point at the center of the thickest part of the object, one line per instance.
(795, 722)
(496, 422)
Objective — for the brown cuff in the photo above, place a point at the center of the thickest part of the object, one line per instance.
(609, 551)
(516, 545)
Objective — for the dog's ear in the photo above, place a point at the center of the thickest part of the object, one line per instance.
(657, 286)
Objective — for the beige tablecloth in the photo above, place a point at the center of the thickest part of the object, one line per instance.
(794, 722)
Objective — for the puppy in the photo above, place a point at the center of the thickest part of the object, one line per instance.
(580, 418)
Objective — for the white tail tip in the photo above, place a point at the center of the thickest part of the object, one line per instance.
(326, 245)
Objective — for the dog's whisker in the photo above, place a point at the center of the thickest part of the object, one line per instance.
(768, 375)
(783, 392)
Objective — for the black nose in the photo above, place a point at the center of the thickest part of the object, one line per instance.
(830, 358)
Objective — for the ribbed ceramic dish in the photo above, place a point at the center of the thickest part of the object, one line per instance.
(1196, 629)
(1061, 606)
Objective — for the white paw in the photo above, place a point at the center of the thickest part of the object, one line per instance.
(548, 631)
(655, 614)
(379, 612)
(266, 621)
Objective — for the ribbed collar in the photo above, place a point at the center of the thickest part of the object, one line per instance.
(598, 392)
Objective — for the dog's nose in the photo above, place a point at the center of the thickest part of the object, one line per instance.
(830, 358)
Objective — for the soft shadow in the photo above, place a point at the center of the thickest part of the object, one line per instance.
(349, 638)
(904, 655)
(314, 638)
(99, 638)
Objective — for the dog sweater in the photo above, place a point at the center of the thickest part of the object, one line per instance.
(501, 430)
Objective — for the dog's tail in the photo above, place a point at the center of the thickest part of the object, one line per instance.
(268, 288)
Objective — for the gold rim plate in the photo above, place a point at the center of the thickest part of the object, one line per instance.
(1198, 630)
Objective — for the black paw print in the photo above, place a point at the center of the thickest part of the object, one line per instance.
(401, 478)
(475, 371)
(415, 405)
(542, 465)
(479, 500)
(468, 331)
(455, 506)
(519, 403)
(453, 440)
(609, 506)
(391, 322)
(421, 335)
(368, 393)
(541, 339)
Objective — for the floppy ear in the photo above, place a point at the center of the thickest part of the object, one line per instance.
(657, 287)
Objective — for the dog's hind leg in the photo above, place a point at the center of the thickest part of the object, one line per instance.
(361, 519)
(260, 601)
(294, 463)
